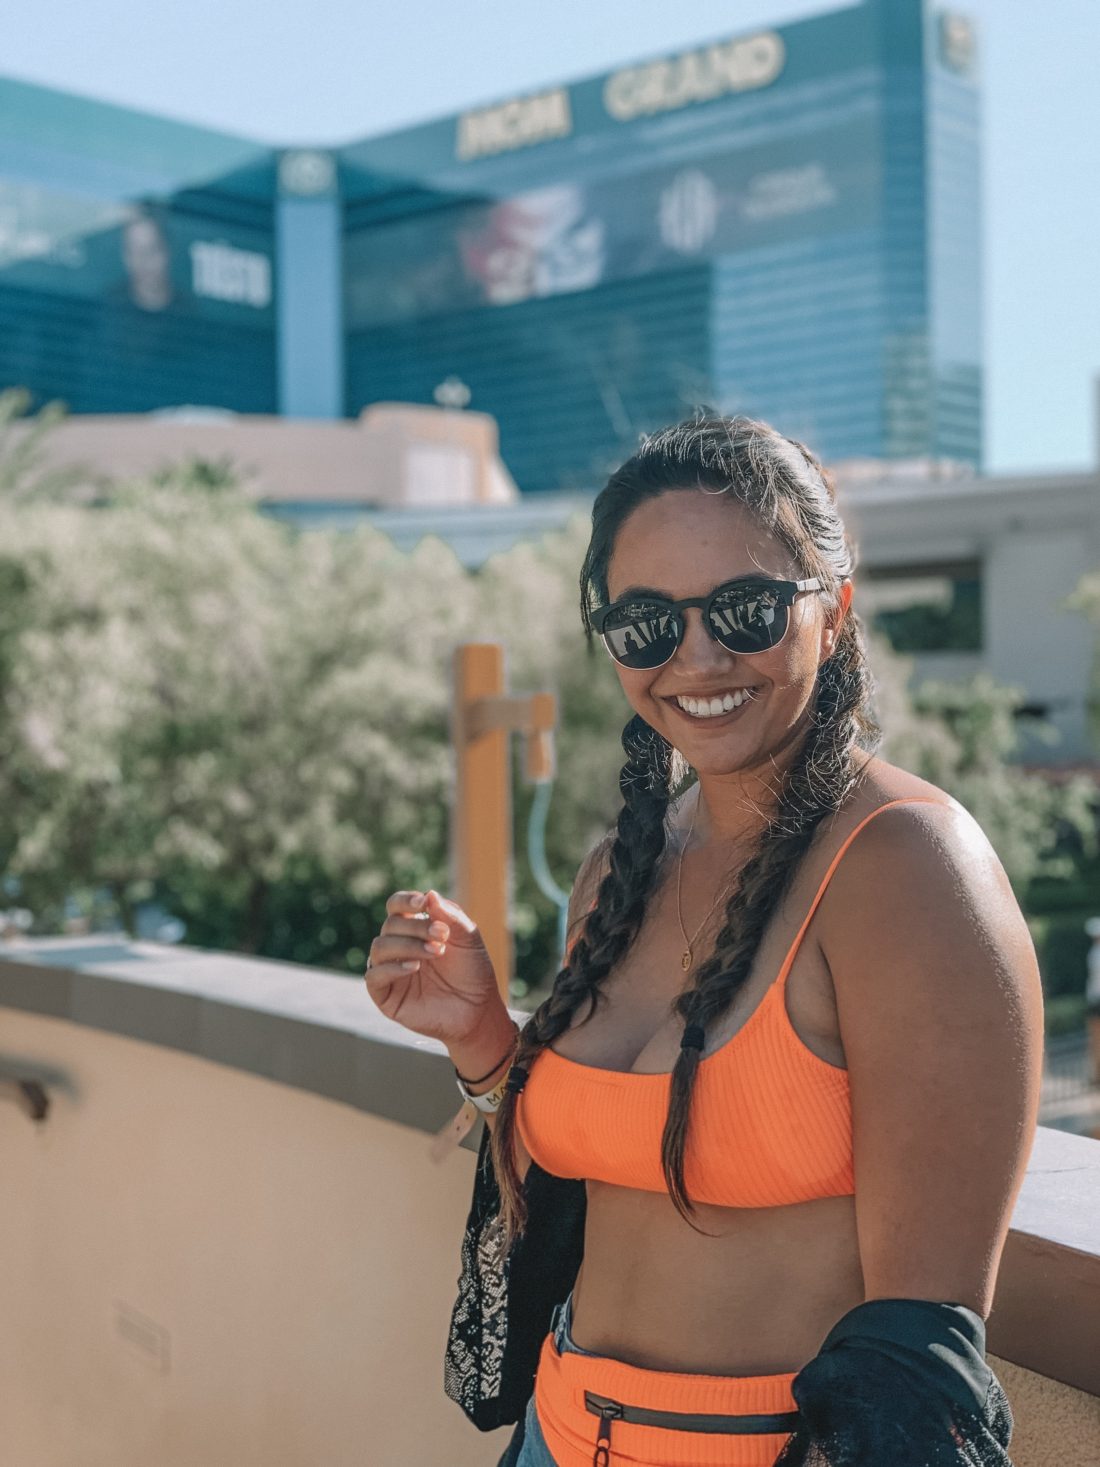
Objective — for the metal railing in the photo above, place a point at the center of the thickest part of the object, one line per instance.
(1069, 1100)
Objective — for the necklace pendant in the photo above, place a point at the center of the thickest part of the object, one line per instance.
(685, 961)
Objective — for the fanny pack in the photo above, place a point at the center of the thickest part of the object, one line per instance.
(607, 1410)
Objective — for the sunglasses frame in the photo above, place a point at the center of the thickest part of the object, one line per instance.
(784, 591)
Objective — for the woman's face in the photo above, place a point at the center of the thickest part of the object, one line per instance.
(684, 543)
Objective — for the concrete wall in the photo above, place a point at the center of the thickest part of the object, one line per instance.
(394, 453)
(1055, 1426)
(201, 1268)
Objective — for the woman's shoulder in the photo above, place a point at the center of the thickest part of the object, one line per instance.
(898, 826)
(879, 783)
(909, 835)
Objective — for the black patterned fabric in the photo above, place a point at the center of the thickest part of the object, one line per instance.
(503, 1308)
(896, 1383)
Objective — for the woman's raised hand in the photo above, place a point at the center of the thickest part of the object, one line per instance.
(429, 969)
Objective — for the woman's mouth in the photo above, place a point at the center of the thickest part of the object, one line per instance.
(720, 708)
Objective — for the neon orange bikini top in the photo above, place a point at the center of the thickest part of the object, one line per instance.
(771, 1121)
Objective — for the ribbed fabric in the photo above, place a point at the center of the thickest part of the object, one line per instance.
(771, 1121)
(571, 1430)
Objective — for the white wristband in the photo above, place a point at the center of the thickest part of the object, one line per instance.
(490, 1101)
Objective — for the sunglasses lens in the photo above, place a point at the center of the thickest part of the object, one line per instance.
(748, 619)
(641, 635)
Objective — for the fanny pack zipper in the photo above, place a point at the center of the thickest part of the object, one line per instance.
(608, 1410)
(605, 1410)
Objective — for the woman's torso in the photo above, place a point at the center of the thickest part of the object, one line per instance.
(759, 1297)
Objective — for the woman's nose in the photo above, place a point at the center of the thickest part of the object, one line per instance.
(698, 649)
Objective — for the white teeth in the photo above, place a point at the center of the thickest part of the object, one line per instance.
(713, 707)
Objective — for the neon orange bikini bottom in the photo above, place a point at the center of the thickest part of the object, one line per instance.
(593, 1412)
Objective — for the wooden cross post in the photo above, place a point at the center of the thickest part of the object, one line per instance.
(482, 717)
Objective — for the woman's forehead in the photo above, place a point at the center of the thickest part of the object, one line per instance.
(685, 542)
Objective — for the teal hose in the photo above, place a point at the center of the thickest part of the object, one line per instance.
(536, 856)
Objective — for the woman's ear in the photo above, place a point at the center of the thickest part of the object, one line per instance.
(832, 627)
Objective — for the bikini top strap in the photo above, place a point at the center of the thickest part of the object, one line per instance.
(833, 864)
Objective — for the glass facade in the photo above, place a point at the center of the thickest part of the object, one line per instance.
(784, 223)
(954, 240)
(136, 259)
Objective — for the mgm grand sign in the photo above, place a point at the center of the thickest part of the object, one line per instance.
(512, 125)
(696, 76)
(636, 91)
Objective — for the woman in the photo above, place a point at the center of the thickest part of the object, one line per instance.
(796, 1050)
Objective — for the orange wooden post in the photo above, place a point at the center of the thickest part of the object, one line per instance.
(538, 760)
(482, 716)
(481, 827)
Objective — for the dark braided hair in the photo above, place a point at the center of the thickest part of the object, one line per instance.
(785, 486)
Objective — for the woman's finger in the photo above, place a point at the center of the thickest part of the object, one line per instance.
(402, 902)
(404, 949)
(386, 973)
(382, 980)
(421, 927)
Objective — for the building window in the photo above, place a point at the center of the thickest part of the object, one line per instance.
(926, 608)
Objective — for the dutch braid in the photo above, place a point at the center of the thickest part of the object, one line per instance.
(607, 934)
(821, 775)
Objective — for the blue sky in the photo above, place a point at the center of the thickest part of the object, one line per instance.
(332, 70)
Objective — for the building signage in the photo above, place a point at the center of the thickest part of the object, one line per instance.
(307, 172)
(222, 273)
(573, 236)
(512, 125)
(697, 76)
(688, 212)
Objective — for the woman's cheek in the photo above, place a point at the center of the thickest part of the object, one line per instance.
(635, 691)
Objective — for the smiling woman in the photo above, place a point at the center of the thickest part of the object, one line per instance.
(798, 1151)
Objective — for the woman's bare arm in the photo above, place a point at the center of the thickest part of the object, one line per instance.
(941, 1017)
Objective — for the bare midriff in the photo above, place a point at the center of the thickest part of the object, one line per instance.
(756, 1300)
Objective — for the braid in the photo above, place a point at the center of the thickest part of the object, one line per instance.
(607, 934)
(817, 782)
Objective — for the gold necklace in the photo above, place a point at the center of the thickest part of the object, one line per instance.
(685, 961)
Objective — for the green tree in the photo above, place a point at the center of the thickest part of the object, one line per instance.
(24, 476)
(212, 706)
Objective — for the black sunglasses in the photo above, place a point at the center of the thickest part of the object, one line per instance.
(744, 616)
